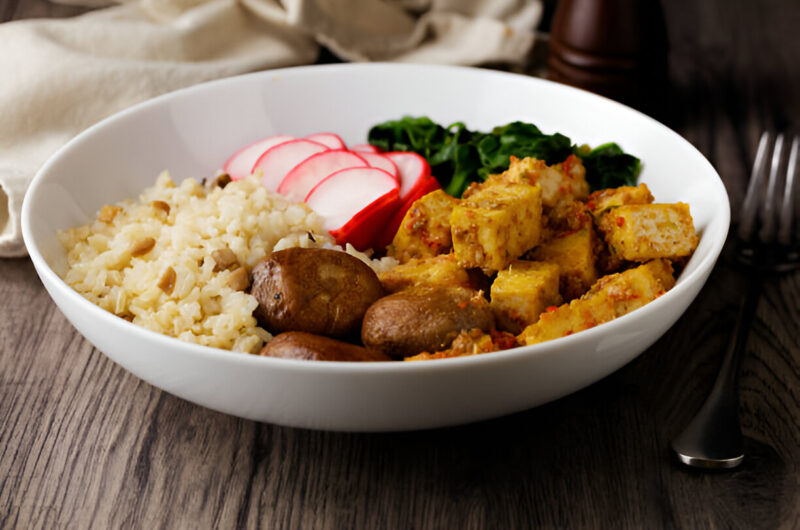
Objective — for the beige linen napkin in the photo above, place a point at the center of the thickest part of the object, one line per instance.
(61, 76)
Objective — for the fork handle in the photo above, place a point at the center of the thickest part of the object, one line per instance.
(713, 438)
(726, 380)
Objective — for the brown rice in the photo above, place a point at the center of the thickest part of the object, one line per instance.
(150, 261)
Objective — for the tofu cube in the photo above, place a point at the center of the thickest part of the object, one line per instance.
(566, 182)
(425, 229)
(564, 217)
(522, 292)
(602, 200)
(470, 342)
(438, 270)
(575, 253)
(610, 297)
(559, 182)
(496, 225)
(640, 232)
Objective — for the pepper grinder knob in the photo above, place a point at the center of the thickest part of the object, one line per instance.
(616, 48)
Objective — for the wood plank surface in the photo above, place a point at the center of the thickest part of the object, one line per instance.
(84, 444)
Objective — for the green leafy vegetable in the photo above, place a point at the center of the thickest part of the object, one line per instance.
(609, 166)
(459, 156)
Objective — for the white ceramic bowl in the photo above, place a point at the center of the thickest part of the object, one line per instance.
(191, 132)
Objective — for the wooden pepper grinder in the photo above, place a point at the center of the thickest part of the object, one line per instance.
(616, 48)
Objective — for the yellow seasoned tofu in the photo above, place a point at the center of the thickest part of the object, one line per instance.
(438, 270)
(522, 292)
(564, 217)
(425, 229)
(611, 297)
(559, 182)
(575, 253)
(601, 200)
(640, 232)
(496, 225)
(607, 262)
(470, 342)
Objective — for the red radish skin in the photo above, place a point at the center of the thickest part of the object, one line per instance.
(240, 164)
(362, 229)
(383, 162)
(413, 170)
(366, 148)
(282, 158)
(427, 185)
(355, 203)
(299, 182)
(385, 236)
(332, 140)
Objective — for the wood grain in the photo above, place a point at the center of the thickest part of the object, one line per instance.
(84, 444)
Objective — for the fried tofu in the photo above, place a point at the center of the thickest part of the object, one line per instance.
(610, 297)
(606, 201)
(575, 253)
(566, 216)
(522, 292)
(601, 200)
(472, 342)
(570, 240)
(560, 182)
(640, 232)
(496, 225)
(425, 229)
(438, 270)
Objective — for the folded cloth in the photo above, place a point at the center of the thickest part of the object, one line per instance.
(64, 75)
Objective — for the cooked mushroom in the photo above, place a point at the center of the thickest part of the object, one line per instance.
(167, 281)
(239, 280)
(142, 247)
(161, 205)
(224, 258)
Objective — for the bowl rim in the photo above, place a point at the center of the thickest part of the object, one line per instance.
(555, 346)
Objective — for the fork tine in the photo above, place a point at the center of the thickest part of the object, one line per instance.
(767, 232)
(785, 226)
(747, 220)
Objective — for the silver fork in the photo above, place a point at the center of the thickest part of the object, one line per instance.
(765, 244)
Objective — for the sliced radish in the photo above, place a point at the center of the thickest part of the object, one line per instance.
(332, 140)
(413, 170)
(383, 162)
(282, 158)
(366, 148)
(355, 203)
(240, 164)
(425, 186)
(362, 228)
(301, 180)
(386, 235)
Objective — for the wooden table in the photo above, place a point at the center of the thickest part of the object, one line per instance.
(85, 444)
